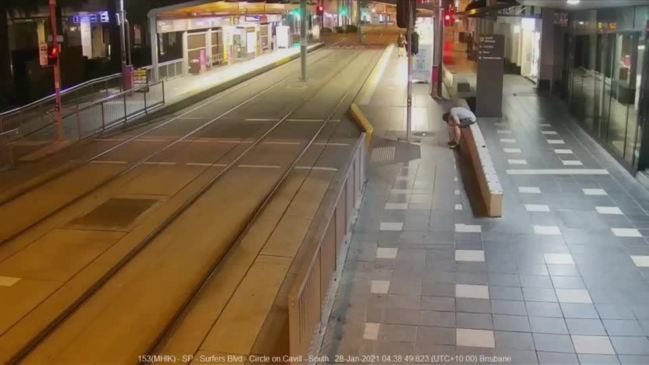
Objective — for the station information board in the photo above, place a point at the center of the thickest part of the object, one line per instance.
(489, 85)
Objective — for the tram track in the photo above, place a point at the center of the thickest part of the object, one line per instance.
(134, 165)
(125, 261)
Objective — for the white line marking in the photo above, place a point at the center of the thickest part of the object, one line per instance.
(205, 164)
(156, 140)
(557, 172)
(261, 120)
(572, 163)
(109, 162)
(334, 144)
(8, 281)
(164, 163)
(563, 151)
(260, 166)
(282, 142)
(306, 120)
(319, 168)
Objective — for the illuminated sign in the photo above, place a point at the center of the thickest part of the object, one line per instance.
(100, 17)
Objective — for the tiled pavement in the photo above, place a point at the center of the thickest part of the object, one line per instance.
(561, 278)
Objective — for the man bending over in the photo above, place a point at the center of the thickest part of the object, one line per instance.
(456, 118)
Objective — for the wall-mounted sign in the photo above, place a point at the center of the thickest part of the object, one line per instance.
(42, 54)
(100, 17)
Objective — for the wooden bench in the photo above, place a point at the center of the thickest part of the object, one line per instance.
(473, 150)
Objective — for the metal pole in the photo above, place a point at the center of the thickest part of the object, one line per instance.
(129, 60)
(303, 20)
(58, 118)
(411, 9)
(153, 39)
(122, 31)
(358, 21)
(439, 50)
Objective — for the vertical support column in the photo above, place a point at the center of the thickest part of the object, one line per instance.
(185, 47)
(411, 23)
(208, 48)
(359, 6)
(438, 54)
(303, 38)
(153, 39)
(58, 117)
(122, 32)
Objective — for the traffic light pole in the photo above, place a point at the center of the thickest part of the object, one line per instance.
(58, 117)
(411, 22)
(303, 39)
(439, 43)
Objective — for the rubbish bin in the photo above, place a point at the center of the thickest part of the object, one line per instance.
(128, 77)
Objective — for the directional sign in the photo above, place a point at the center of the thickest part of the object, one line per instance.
(490, 48)
(490, 75)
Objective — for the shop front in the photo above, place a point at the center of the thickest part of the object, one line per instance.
(215, 41)
(212, 34)
(607, 74)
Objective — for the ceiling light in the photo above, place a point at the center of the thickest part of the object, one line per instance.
(573, 2)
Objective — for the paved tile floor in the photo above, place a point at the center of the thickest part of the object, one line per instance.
(561, 278)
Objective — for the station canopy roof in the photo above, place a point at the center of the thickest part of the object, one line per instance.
(206, 8)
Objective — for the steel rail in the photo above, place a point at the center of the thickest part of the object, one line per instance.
(157, 126)
(89, 292)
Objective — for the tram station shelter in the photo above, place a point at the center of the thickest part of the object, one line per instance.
(196, 36)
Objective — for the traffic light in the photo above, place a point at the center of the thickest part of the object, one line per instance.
(404, 8)
(343, 11)
(449, 17)
(319, 10)
(53, 52)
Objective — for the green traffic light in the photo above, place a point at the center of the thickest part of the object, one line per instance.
(343, 11)
(295, 13)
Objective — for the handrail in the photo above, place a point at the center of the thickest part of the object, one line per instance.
(63, 92)
(115, 96)
(77, 87)
(162, 64)
(11, 131)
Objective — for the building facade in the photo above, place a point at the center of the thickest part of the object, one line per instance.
(607, 81)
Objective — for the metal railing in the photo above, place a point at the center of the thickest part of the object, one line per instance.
(170, 69)
(88, 120)
(36, 114)
(33, 115)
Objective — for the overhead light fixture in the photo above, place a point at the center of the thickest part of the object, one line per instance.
(573, 2)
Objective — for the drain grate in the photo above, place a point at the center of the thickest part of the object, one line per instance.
(383, 154)
(115, 212)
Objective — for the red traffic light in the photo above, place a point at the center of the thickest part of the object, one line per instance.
(320, 9)
(449, 17)
(53, 52)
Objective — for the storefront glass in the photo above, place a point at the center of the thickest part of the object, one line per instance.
(607, 59)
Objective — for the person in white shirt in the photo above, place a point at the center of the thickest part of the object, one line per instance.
(456, 118)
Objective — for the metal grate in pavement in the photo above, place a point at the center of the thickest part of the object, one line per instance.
(383, 154)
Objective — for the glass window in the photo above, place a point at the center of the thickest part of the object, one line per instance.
(633, 136)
